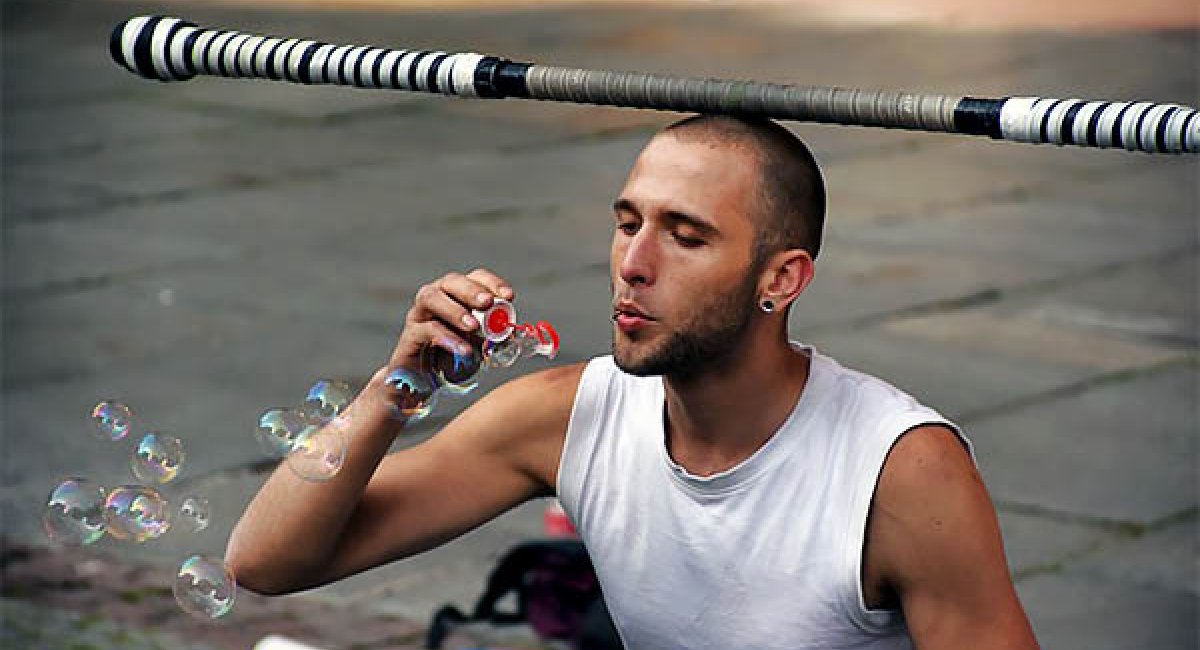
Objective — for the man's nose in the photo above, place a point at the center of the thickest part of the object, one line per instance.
(639, 259)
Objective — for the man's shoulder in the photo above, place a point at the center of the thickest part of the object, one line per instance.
(862, 389)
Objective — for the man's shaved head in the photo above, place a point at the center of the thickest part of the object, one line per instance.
(790, 184)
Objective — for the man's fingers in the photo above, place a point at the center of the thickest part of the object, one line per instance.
(435, 304)
(496, 284)
(472, 294)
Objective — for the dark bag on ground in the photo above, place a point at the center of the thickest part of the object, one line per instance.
(557, 592)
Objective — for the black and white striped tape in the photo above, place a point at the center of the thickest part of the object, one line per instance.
(170, 49)
(1136, 126)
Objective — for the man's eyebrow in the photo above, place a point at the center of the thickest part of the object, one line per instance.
(625, 205)
(705, 227)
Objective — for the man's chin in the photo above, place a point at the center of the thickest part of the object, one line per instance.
(631, 362)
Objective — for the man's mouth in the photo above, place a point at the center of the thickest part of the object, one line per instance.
(630, 317)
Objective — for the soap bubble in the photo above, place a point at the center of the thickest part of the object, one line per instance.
(502, 354)
(74, 514)
(111, 420)
(204, 587)
(157, 458)
(414, 393)
(454, 371)
(527, 343)
(136, 513)
(326, 400)
(195, 513)
(279, 429)
(319, 454)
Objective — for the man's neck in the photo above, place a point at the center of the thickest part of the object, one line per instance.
(719, 418)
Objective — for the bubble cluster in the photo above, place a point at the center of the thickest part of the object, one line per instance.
(415, 393)
(111, 420)
(319, 454)
(136, 513)
(279, 429)
(326, 399)
(74, 513)
(195, 513)
(310, 437)
(204, 587)
(157, 458)
(80, 512)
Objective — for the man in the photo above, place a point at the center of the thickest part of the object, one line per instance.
(735, 489)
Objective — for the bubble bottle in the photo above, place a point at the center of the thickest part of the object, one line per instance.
(505, 340)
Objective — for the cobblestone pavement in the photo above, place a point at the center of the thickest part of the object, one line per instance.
(205, 250)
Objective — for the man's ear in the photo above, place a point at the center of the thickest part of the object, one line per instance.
(785, 276)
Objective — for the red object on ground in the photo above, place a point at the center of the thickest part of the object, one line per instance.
(556, 523)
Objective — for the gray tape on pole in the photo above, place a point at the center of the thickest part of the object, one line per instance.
(834, 105)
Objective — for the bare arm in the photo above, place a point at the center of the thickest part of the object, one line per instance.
(934, 541)
(297, 534)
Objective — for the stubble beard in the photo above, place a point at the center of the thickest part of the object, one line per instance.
(707, 342)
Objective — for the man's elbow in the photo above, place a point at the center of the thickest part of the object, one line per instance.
(259, 572)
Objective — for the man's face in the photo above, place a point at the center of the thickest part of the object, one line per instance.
(683, 286)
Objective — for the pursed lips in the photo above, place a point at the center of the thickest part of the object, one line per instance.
(629, 317)
(629, 308)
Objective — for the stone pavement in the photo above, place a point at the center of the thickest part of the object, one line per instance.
(205, 250)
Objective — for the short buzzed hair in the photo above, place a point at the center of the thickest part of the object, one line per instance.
(791, 189)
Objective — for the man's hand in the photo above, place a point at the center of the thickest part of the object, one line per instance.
(441, 315)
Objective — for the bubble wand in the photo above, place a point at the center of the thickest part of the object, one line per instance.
(505, 340)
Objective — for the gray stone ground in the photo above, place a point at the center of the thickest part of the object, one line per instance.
(203, 251)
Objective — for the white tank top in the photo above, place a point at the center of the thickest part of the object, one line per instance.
(764, 556)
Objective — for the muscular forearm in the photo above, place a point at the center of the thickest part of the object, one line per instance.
(292, 527)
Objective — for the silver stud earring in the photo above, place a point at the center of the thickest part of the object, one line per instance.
(767, 305)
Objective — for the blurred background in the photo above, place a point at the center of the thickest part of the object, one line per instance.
(206, 250)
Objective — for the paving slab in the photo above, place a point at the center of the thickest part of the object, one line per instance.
(1118, 304)
(1164, 558)
(1120, 451)
(865, 285)
(1036, 544)
(1020, 339)
(44, 256)
(958, 382)
(1073, 233)
(44, 342)
(1070, 613)
(52, 134)
(971, 172)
